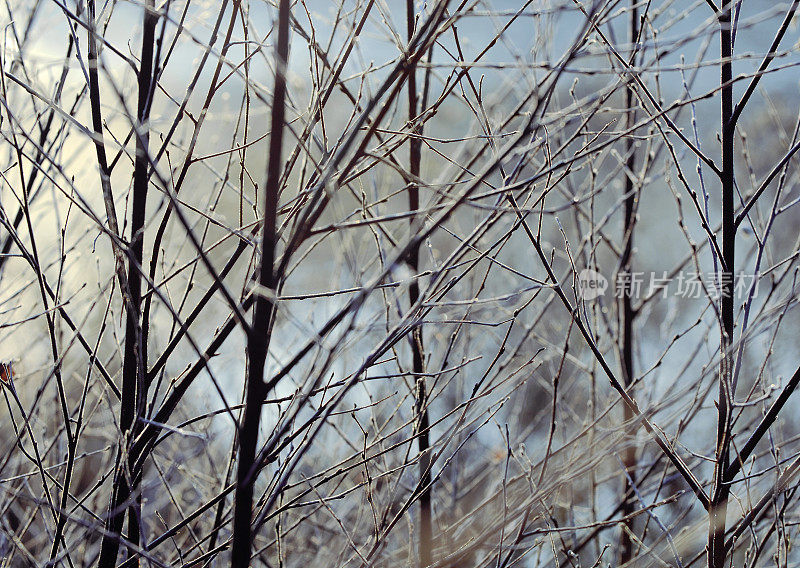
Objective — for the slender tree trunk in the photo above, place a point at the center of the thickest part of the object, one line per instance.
(417, 346)
(719, 498)
(259, 334)
(134, 358)
(628, 313)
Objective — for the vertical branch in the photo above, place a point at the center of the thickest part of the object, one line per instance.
(99, 144)
(259, 334)
(134, 356)
(417, 347)
(628, 313)
(719, 497)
